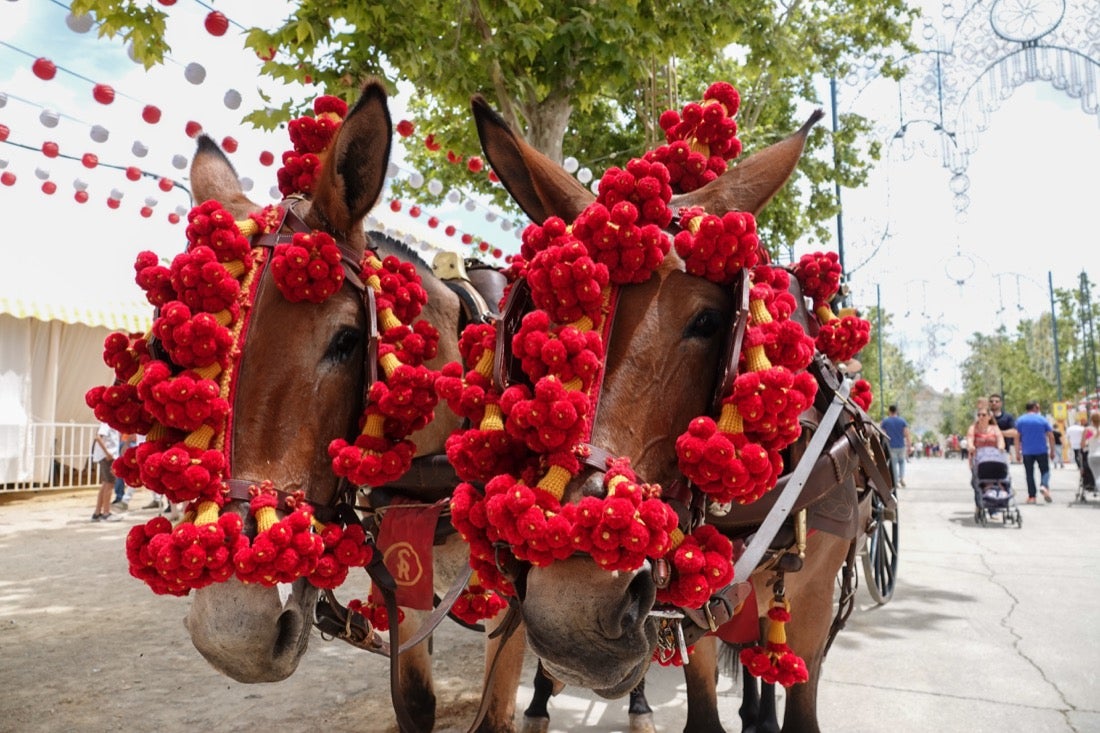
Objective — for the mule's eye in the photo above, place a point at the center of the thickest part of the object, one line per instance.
(705, 324)
(343, 345)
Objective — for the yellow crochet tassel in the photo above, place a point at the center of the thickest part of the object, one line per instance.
(207, 513)
(248, 227)
(777, 630)
(389, 362)
(266, 518)
(757, 359)
(730, 421)
(374, 425)
(676, 538)
(388, 320)
(492, 420)
(824, 314)
(209, 371)
(200, 438)
(574, 385)
(584, 323)
(759, 312)
(156, 432)
(484, 365)
(555, 481)
(235, 268)
(139, 374)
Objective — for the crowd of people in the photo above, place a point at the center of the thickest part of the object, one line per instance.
(1031, 439)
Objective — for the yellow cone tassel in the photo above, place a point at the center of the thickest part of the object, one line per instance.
(676, 538)
(374, 425)
(756, 358)
(485, 363)
(201, 438)
(824, 314)
(389, 362)
(555, 481)
(388, 320)
(492, 420)
(730, 421)
(266, 518)
(777, 630)
(207, 513)
(248, 227)
(759, 312)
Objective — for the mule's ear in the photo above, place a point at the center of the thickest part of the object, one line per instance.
(213, 177)
(354, 172)
(540, 186)
(751, 184)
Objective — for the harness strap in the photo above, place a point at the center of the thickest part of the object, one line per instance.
(721, 606)
(512, 621)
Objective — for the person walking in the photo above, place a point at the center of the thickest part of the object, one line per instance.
(1074, 434)
(104, 452)
(1036, 445)
(1090, 452)
(1006, 421)
(897, 429)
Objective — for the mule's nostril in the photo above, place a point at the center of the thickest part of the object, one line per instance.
(632, 608)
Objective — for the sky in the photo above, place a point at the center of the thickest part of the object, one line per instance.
(942, 277)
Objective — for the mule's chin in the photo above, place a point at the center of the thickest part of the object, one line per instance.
(251, 633)
(599, 684)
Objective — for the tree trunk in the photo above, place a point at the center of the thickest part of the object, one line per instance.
(546, 124)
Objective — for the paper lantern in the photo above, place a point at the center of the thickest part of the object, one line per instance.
(194, 72)
(89, 160)
(216, 23)
(99, 133)
(80, 184)
(41, 174)
(139, 149)
(173, 218)
(570, 165)
(232, 99)
(166, 3)
(433, 222)
(116, 194)
(4, 132)
(450, 230)
(103, 93)
(150, 114)
(49, 188)
(416, 180)
(179, 161)
(113, 203)
(395, 206)
(192, 128)
(435, 187)
(405, 128)
(467, 239)
(392, 170)
(150, 201)
(414, 212)
(275, 193)
(7, 178)
(246, 184)
(81, 197)
(165, 184)
(133, 173)
(146, 211)
(267, 158)
(475, 164)
(44, 69)
(453, 196)
(470, 205)
(3, 163)
(584, 175)
(229, 144)
(79, 23)
(49, 118)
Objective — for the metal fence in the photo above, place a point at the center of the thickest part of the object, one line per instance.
(42, 456)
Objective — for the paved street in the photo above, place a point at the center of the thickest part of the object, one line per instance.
(990, 629)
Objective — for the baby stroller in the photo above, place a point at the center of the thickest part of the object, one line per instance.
(993, 494)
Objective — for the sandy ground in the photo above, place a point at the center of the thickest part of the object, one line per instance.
(85, 647)
(990, 629)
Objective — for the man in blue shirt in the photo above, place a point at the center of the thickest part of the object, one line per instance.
(1036, 446)
(897, 429)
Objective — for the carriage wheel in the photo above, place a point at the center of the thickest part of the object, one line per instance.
(880, 552)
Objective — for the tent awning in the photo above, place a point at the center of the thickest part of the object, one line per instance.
(133, 316)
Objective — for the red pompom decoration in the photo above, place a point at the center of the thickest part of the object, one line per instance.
(309, 268)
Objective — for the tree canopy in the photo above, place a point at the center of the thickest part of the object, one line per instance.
(581, 78)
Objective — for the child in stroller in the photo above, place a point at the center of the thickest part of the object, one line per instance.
(993, 494)
(989, 473)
